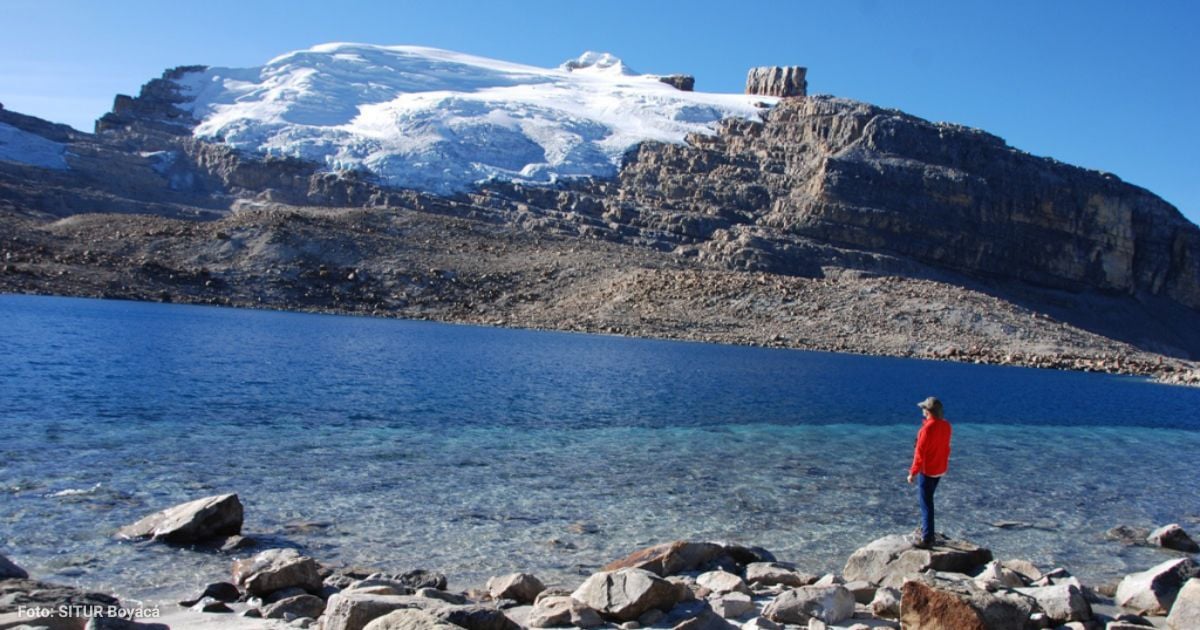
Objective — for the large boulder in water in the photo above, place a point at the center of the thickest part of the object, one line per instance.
(891, 560)
(1173, 537)
(1153, 591)
(192, 522)
(625, 594)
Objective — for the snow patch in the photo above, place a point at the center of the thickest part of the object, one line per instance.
(443, 121)
(17, 145)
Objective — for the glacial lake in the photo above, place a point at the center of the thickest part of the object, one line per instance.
(478, 451)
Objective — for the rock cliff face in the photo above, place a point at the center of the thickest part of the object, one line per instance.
(864, 178)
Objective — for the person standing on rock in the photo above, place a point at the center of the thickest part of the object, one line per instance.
(931, 458)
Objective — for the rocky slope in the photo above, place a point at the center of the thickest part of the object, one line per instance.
(831, 224)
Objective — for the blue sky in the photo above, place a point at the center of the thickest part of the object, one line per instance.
(1103, 84)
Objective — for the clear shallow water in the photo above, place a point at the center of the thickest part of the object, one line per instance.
(478, 451)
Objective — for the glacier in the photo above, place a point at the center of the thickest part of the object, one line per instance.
(442, 121)
(17, 145)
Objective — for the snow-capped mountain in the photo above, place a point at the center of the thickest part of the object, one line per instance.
(441, 121)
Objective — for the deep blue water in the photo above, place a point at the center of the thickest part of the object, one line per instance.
(477, 451)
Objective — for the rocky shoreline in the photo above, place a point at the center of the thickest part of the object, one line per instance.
(425, 266)
(681, 585)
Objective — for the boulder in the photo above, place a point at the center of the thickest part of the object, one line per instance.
(886, 603)
(1026, 569)
(940, 605)
(1185, 612)
(379, 584)
(722, 582)
(732, 605)
(277, 569)
(521, 587)
(1173, 537)
(891, 560)
(10, 570)
(560, 611)
(353, 611)
(706, 620)
(297, 606)
(475, 617)
(450, 598)
(772, 573)
(830, 604)
(670, 558)
(1128, 535)
(420, 578)
(282, 594)
(1061, 603)
(192, 522)
(1152, 592)
(625, 594)
(761, 623)
(863, 591)
(995, 574)
(409, 619)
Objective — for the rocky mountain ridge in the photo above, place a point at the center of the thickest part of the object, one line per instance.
(820, 188)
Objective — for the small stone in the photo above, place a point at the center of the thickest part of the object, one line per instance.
(210, 605)
(304, 605)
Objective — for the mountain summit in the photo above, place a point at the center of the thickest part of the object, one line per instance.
(441, 121)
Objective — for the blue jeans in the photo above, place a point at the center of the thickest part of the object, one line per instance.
(925, 489)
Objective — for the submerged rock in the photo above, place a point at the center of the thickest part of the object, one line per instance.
(192, 522)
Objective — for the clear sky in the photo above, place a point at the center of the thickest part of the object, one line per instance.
(1106, 84)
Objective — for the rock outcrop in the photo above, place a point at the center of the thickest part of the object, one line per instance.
(192, 522)
(781, 81)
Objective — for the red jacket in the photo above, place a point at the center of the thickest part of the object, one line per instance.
(931, 457)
